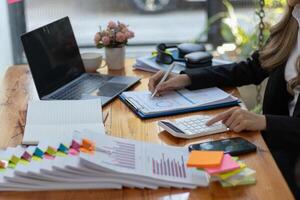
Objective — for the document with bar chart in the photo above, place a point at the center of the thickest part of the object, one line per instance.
(164, 164)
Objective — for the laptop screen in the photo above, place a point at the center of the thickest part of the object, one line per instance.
(53, 56)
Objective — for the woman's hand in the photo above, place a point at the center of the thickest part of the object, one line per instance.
(174, 82)
(237, 119)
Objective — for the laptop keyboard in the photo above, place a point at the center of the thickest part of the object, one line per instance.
(86, 84)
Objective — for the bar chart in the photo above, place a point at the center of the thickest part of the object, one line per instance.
(169, 166)
(121, 154)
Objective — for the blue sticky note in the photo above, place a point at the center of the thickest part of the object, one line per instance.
(38, 152)
(63, 148)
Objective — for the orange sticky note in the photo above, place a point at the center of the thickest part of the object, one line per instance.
(202, 159)
(87, 145)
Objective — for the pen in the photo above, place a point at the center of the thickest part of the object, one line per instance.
(164, 78)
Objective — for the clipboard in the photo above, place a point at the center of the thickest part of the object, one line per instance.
(137, 108)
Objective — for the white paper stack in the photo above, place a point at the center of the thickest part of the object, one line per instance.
(148, 63)
(115, 163)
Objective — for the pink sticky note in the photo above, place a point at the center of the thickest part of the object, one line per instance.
(227, 164)
(73, 152)
(75, 145)
(13, 1)
(49, 157)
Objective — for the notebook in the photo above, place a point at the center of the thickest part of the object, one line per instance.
(177, 102)
(57, 119)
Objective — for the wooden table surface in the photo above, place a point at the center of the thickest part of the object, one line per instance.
(17, 88)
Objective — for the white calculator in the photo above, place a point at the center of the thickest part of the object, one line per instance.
(191, 127)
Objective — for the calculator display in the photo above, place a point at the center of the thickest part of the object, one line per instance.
(171, 126)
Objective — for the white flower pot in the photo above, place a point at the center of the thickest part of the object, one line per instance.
(115, 58)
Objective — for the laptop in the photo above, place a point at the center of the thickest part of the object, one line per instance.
(57, 68)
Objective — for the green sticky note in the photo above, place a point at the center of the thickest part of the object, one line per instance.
(23, 162)
(226, 175)
(14, 159)
(11, 165)
(61, 154)
(36, 158)
(247, 181)
(51, 151)
(235, 158)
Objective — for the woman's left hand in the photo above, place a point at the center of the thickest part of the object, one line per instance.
(237, 119)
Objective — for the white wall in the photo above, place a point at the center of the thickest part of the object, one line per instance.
(6, 58)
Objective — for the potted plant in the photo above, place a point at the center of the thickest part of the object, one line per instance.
(113, 39)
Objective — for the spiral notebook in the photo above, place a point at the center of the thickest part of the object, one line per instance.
(177, 102)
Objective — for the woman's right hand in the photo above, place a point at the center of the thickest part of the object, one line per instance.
(174, 82)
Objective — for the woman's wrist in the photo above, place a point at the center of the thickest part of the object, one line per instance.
(186, 80)
(262, 123)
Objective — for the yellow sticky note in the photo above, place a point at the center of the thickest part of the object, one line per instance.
(226, 175)
(202, 159)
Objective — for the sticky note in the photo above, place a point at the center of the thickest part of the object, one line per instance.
(48, 156)
(75, 145)
(226, 175)
(87, 145)
(11, 165)
(244, 174)
(24, 162)
(14, 159)
(13, 1)
(38, 152)
(202, 159)
(26, 156)
(51, 151)
(61, 154)
(227, 164)
(3, 164)
(36, 158)
(246, 181)
(73, 152)
(63, 148)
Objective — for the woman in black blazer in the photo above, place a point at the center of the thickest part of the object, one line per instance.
(280, 61)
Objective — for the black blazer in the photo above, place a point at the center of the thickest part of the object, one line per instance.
(282, 130)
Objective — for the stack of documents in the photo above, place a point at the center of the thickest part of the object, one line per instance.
(177, 102)
(148, 63)
(48, 120)
(90, 161)
(229, 171)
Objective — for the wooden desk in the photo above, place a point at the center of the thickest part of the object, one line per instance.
(17, 88)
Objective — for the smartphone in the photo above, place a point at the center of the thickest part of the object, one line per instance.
(234, 146)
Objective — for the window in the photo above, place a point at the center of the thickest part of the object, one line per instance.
(153, 21)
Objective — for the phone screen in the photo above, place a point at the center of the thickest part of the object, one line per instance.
(233, 146)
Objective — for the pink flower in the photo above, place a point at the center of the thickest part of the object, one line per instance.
(112, 25)
(122, 25)
(124, 30)
(114, 35)
(97, 38)
(129, 34)
(105, 40)
(120, 37)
